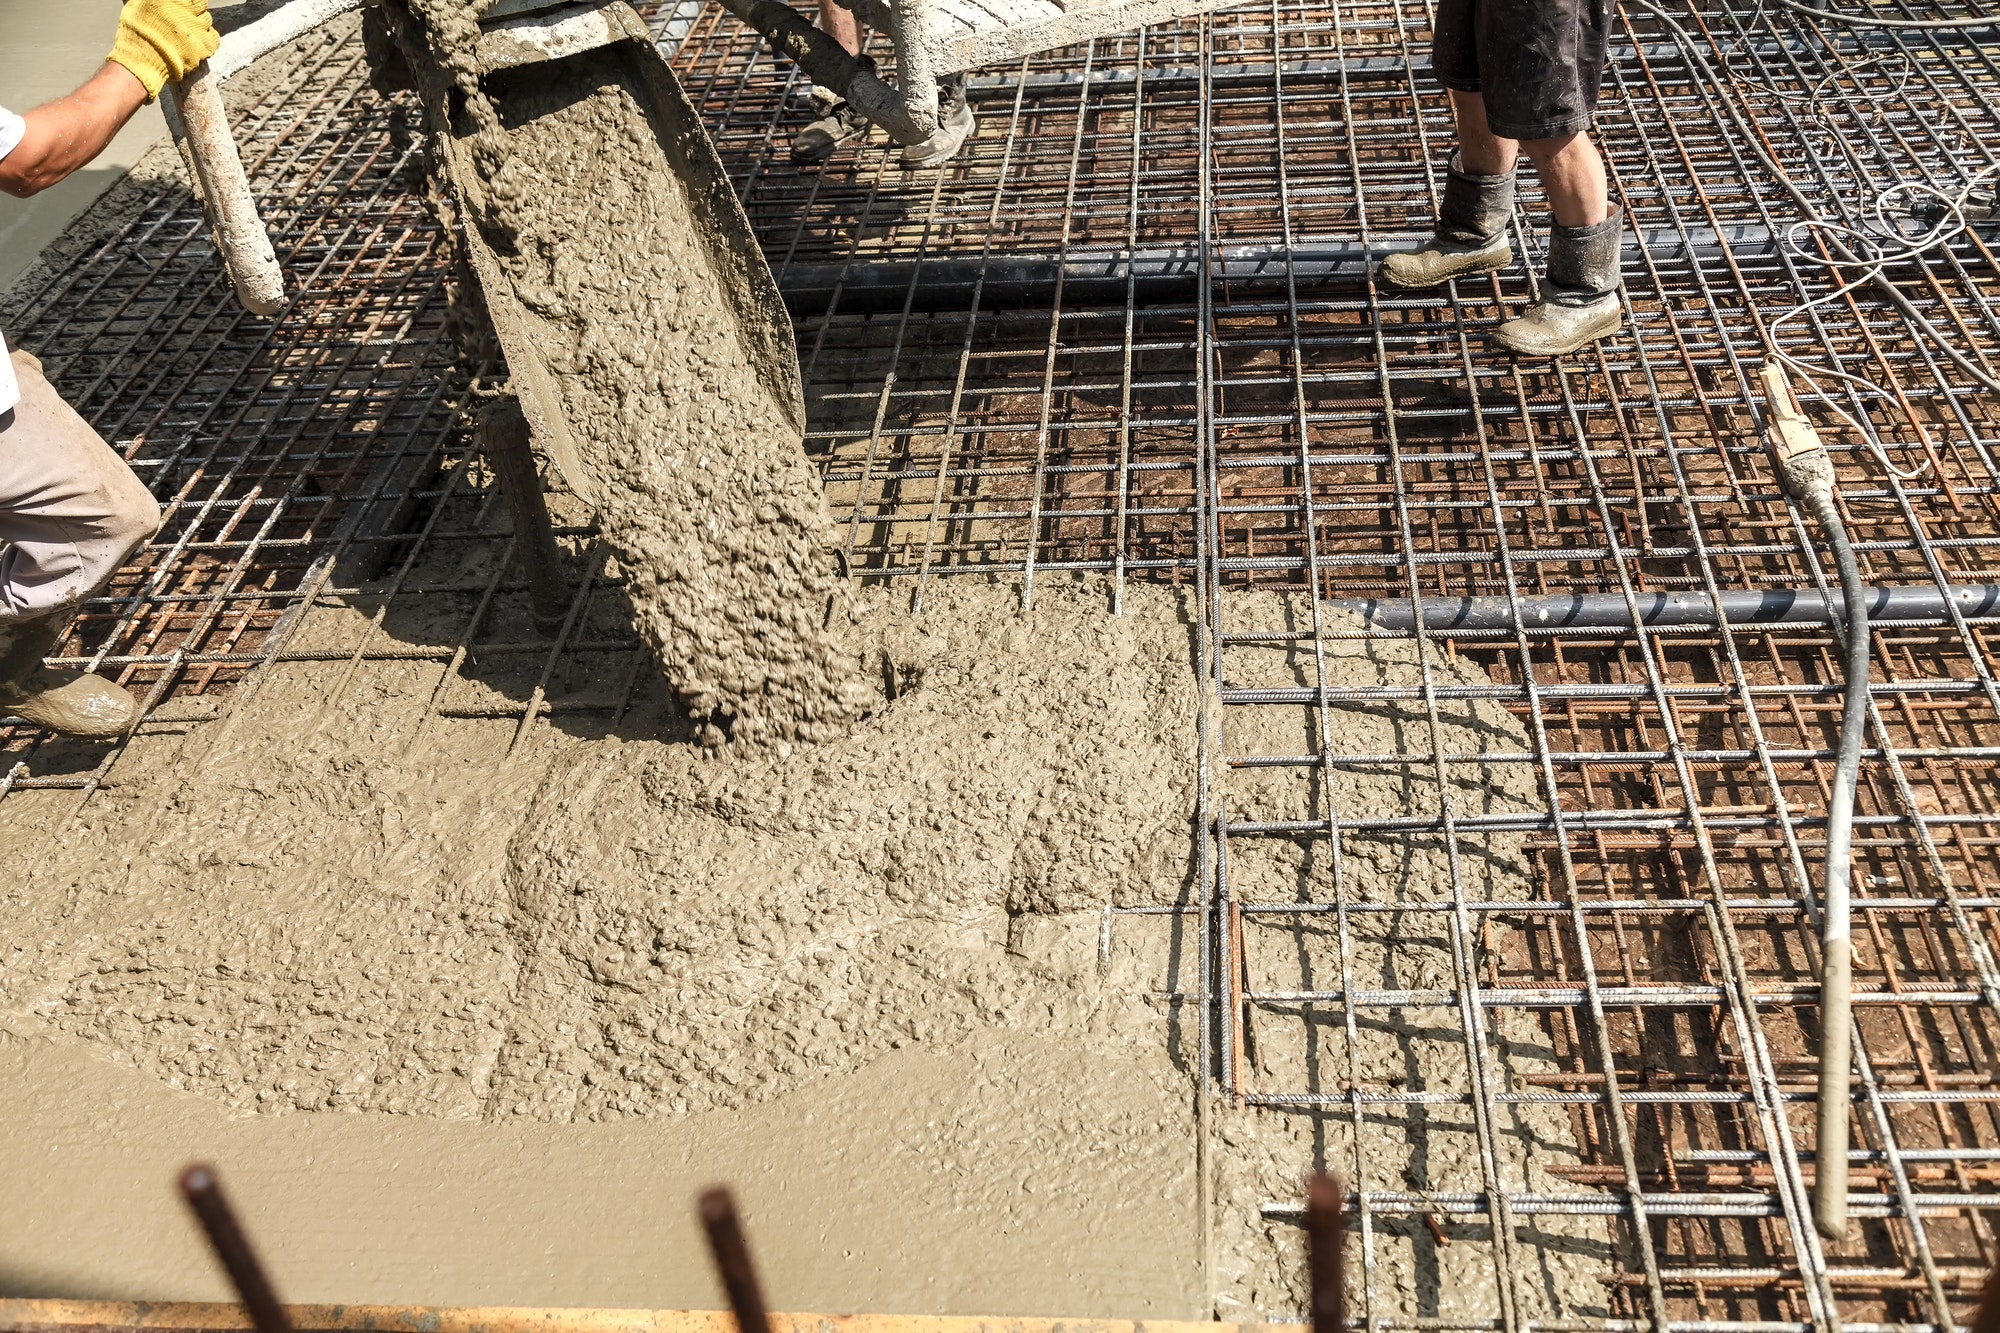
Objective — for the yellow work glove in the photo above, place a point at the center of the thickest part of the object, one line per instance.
(159, 40)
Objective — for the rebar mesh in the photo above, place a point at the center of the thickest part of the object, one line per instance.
(1129, 330)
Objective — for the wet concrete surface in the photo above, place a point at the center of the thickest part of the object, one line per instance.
(874, 1207)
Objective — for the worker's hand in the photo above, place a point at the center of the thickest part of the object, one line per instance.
(160, 40)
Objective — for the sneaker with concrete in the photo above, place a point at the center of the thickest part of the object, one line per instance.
(73, 703)
(955, 122)
(1470, 237)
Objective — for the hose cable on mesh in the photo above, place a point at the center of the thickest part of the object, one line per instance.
(1874, 21)
(1952, 224)
(1883, 240)
(1875, 250)
(1808, 475)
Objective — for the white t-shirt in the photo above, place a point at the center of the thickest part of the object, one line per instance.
(12, 127)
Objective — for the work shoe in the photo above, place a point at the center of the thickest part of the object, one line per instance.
(955, 122)
(1470, 237)
(71, 702)
(837, 123)
(1580, 295)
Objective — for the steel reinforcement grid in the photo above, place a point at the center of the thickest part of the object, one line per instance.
(1131, 330)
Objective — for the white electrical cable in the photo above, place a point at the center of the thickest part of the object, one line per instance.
(1874, 248)
(1878, 247)
(1875, 21)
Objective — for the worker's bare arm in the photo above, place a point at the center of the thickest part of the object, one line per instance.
(68, 132)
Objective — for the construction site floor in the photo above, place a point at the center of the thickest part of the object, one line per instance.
(1128, 337)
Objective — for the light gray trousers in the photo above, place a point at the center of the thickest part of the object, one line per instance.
(70, 509)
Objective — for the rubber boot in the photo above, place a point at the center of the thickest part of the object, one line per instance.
(71, 702)
(1471, 234)
(839, 124)
(1579, 301)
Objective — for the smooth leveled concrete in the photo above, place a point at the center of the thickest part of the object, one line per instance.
(871, 1210)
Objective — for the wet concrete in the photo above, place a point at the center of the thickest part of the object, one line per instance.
(940, 1107)
(632, 302)
(356, 915)
(874, 1192)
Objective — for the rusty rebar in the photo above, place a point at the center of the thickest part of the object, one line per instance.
(1326, 1242)
(204, 1196)
(732, 1259)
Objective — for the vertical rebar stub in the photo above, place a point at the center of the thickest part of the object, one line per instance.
(732, 1259)
(204, 1196)
(1326, 1239)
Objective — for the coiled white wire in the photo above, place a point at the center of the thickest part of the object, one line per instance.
(1878, 247)
(1882, 243)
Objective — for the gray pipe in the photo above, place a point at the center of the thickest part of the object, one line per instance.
(199, 124)
(1774, 606)
(1164, 273)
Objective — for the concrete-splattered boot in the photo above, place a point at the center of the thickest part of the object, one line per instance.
(71, 702)
(1471, 235)
(834, 123)
(1580, 296)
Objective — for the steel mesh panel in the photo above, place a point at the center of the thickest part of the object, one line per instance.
(1195, 383)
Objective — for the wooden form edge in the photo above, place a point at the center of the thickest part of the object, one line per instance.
(69, 1316)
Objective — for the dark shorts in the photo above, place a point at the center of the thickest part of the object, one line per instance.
(1537, 62)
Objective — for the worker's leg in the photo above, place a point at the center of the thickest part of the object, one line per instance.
(836, 123)
(1541, 63)
(1572, 176)
(71, 511)
(1580, 300)
(1469, 236)
(839, 123)
(955, 124)
(1481, 152)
